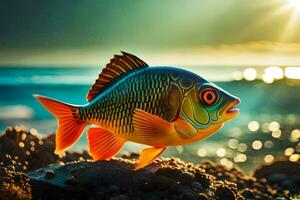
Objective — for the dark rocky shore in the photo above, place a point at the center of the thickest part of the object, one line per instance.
(30, 170)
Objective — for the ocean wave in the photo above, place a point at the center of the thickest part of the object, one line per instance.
(48, 79)
(16, 112)
(83, 76)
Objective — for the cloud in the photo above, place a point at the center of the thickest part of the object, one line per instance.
(242, 54)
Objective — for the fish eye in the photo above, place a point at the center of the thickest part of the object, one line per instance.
(208, 96)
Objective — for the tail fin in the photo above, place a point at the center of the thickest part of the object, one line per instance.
(70, 126)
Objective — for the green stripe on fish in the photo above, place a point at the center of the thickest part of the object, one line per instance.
(156, 106)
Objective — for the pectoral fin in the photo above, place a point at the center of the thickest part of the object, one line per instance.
(148, 155)
(150, 127)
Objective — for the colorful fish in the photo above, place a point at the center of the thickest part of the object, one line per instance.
(155, 106)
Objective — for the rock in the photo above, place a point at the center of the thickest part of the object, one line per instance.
(186, 178)
(74, 176)
(113, 189)
(197, 186)
(71, 181)
(14, 185)
(189, 196)
(120, 197)
(116, 179)
(281, 174)
(224, 193)
(204, 179)
(49, 174)
(28, 150)
(247, 193)
(202, 196)
(277, 178)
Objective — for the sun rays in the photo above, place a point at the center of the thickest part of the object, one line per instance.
(295, 4)
(286, 13)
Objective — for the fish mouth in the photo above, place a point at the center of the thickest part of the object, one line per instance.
(231, 111)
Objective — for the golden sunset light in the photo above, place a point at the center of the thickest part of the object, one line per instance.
(295, 4)
(130, 99)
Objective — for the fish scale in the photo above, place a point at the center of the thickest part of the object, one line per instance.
(148, 90)
(156, 106)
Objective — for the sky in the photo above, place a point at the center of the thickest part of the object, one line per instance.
(169, 32)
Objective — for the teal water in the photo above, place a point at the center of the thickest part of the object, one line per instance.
(262, 102)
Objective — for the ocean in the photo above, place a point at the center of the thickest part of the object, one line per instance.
(17, 85)
(260, 102)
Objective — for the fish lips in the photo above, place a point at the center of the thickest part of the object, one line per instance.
(231, 112)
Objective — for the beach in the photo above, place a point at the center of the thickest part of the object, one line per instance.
(29, 169)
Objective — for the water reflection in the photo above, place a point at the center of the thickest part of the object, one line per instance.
(273, 140)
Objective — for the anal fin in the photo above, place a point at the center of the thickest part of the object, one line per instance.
(148, 155)
(103, 144)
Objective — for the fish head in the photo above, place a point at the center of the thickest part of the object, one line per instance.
(207, 106)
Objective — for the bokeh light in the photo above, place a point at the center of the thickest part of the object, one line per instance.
(18, 128)
(23, 136)
(33, 131)
(233, 143)
(295, 135)
(289, 151)
(202, 152)
(227, 163)
(21, 145)
(223, 161)
(221, 152)
(250, 74)
(240, 158)
(242, 147)
(257, 144)
(268, 158)
(237, 75)
(294, 157)
(268, 144)
(265, 127)
(267, 78)
(292, 72)
(274, 72)
(274, 126)
(253, 126)
(276, 134)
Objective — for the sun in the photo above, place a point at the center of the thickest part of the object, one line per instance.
(295, 4)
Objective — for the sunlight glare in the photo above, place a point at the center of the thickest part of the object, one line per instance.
(274, 72)
(250, 74)
(295, 4)
(292, 72)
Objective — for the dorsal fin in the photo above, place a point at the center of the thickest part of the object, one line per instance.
(118, 66)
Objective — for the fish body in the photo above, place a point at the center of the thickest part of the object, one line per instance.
(156, 106)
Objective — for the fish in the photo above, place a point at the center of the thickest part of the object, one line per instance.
(158, 106)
